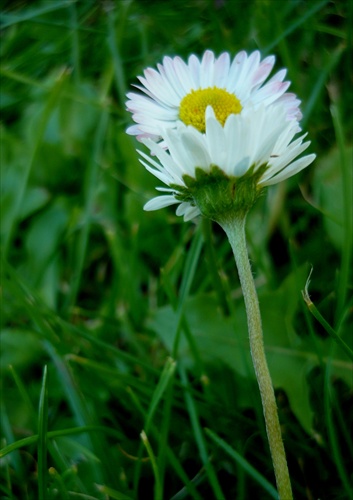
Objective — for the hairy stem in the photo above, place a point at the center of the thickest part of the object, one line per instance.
(235, 230)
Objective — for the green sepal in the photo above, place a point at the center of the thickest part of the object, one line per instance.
(182, 193)
(218, 195)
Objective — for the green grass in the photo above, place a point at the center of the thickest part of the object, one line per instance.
(124, 355)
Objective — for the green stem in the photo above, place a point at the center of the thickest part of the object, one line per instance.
(235, 230)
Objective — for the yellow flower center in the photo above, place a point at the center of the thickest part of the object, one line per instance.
(193, 106)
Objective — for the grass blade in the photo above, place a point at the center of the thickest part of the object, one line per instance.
(172, 458)
(248, 468)
(347, 195)
(59, 484)
(75, 51)
(320, 85)
(7, 436)
(314, 311)
(199, 438)
(114, 44)
(115, 495)
(43, 438)
(7, 19)
(332, 434)
(157, 485)
(188, 276)
(181, 325)
(294, 25)
(165, 378)
(21, 443)
(90, 190)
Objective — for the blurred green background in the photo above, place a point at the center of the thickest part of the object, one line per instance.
(94, 290)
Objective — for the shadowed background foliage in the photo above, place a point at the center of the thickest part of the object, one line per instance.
(95, 291)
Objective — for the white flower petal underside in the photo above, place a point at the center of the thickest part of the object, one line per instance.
(160, 202)
(290, 170)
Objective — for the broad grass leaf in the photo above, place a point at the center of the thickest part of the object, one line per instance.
(13, 158)
(43, 242)
(19, 348)
(77, 117)
(218, 338)
(45, 234)
(33, 199)
(329, 193)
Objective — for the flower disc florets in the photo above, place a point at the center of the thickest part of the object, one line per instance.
(193, 106)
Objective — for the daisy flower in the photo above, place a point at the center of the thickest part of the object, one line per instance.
(218, 134)
(225, 169)
(179, 91)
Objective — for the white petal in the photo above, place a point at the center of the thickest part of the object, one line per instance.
(187, 210)
(184, 75)
(216, 142)
(185, 205)
(291, 170)
(165, 190)
(241, 167)
(160, 175)
(180, 156)
(270, 92)
(195, 68)
(169, 163)
(207, 69)
(279, 76)
(264, 69)
(147, 105)
(158, 88)
(221, 70)
(160, 202)
(198, 155)
(191, 213)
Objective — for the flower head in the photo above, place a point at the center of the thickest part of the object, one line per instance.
(225, 169)
(180, 91)
(217, 131)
